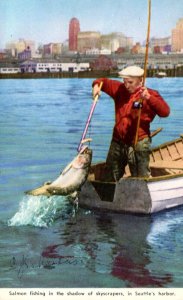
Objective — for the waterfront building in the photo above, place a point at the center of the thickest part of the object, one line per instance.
(160, 44)
(2, 54)
(52, 49)
(167, 49)
(136, 48)
(158, 61)
(9, 69)
(96, 51)
(177, 37)
(93, 51)
(74, 29)
(157, 50)
(120, 50)
(105, 51)
(88, 40)
(28, 66)
(103, 63)
(25, 54)
(61, 67)
(52, 67)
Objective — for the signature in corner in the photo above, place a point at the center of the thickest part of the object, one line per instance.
(24, 264)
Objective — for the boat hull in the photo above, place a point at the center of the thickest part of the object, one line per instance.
(166, 193)
(133, 195)
(139, 195)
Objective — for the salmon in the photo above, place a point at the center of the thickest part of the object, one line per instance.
(71, 179)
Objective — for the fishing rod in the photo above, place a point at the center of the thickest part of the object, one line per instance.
(145, 69)
(89, 120)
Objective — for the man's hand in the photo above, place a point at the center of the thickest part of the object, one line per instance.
(96, 91)
(144, 93)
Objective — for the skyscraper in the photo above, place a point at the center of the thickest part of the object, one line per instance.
(74, 29)
(177, 36)
(88, 40)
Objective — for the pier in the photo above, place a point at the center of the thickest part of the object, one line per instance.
(171, 64)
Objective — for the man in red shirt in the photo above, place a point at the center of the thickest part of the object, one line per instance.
(126, 98)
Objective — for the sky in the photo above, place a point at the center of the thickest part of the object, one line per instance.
(45, 21)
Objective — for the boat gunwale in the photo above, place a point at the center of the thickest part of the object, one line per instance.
(147, 179)
(168, 143)
(151, 179)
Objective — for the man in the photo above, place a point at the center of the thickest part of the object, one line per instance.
(127, 102)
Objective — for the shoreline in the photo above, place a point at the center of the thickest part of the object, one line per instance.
(178, 72)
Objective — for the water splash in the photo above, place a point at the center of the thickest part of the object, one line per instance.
(39, 211)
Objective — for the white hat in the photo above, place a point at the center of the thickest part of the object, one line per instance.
(132, 71)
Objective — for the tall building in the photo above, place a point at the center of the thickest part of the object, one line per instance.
(88, 40)
(74, 29)
(177, 37)
(160, 41)
(110, 41)
(52, 49)
(115, 40)
(20, 45)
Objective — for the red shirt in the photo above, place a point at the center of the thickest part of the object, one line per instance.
(126, 115)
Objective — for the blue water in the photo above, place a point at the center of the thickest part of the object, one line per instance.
(44, 242)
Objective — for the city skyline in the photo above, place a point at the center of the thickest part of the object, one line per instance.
(46, 21)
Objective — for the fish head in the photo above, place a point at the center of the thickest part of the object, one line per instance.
(83, 159)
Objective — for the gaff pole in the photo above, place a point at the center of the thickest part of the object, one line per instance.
(145, 69)
(89, 118)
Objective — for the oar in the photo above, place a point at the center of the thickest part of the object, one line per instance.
(89, 119)
(155, 132)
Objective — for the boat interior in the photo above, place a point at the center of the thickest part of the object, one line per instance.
(165, 160)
